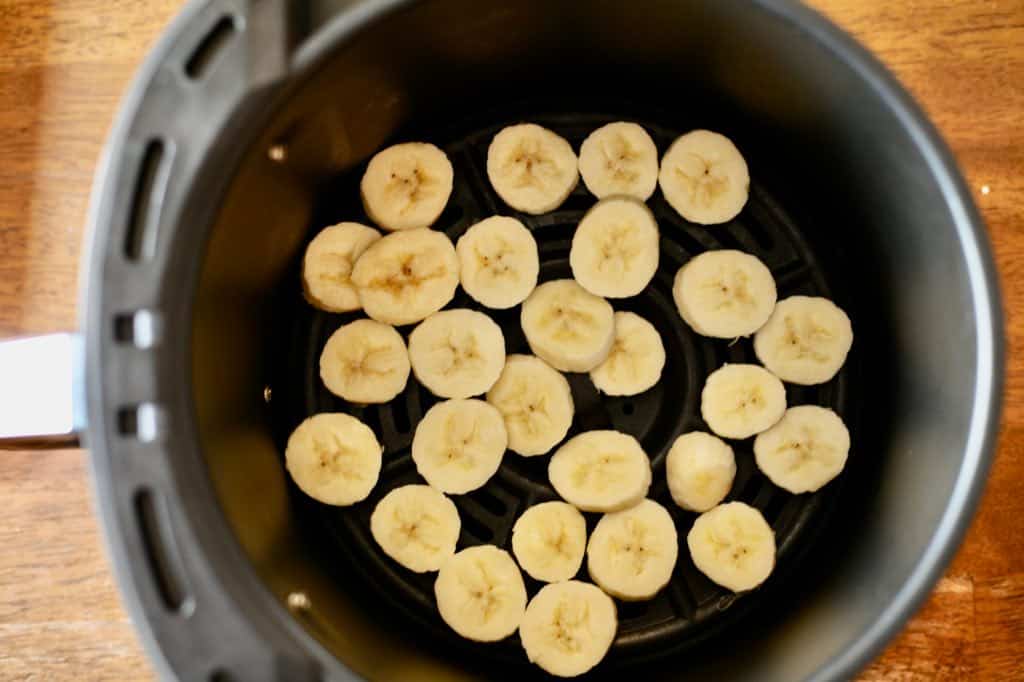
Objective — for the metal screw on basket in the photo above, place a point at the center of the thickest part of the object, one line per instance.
(266, 394)
(298, 601)
(278, 152)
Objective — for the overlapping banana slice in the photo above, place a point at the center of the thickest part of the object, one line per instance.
(416, 526)
(480, 593)
(724, 294)
(498, 262)
(568, 628)
(632, 553)
(700, 469)
(636, 359)
(733, 546)
(458, 445)
(536, 403)
(619, 159)
(739, 401)
(549, 541)
(531, 168)
(600, 471)
(567, 326)
(407, 186)
(365, 362)
(805, 341)
(704, 178)
(615, 248)
(805, 450)
(327, 266)
(457, 353)
(334, 458)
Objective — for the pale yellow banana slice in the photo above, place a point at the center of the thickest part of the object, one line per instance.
(498, 262)
(619, 159)
(480, 593)
(531, 168)
(805, 341)
(549, 541)
(458, 445)
(334, 458)
(704, 178)
(407, 186)
(536, 403)
(724, 294)
(568, 628)
(365, 362)
(406, 276)
(567, 326)
(739, 401)
(805, 450)
(327, 266)
(600, 471)
(733, 546)
(636, 359)
(700, 469)
(615, 248)
(457, 353)
(632, 553)
(416, 526)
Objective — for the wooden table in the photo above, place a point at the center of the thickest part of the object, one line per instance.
(63, 67)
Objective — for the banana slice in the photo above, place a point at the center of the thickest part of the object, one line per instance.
(615, 249)
(739, 401)
(365, 362)
(704, 178)
(725, 294)
(600, 471)
(805, 450)
(636, 359)
(536, 403)
(619, 158)
(457, 353)
(334, 458)
(568, 327)
(733, 546)
(549, 540)
(700, 469)
(458, 445)
(416, 526)
(480, 593)
(407, 186)
(531, 168)
(805, 341)
(568, 628)
(631, 553)
(498, 262)
(406, 276)
(327, 265)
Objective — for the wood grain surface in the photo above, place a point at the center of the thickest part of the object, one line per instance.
(64, 65)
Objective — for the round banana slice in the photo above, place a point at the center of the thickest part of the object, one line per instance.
(568, 628)
(805, 341)
(334, 458)
(700, 469)
(600, 471)
(531, 168)
(365, 362)
(615, 249)
(704, 178)
(632, 553)
(407, 186)
(805, 450)
(725, 294)
(567, 326)
(498, 262)
(416, 526)
(327, 265)
(458, 445)
(480, 593)
(635, 361)
(457, 353)
(406, 276)
(549, 540)
(733, 546)
(739, 401)
(536, 403)
(619, 159)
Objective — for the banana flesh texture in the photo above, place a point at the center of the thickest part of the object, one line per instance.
(407, 186)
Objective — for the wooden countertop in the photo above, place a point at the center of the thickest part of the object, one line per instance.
(63, 67)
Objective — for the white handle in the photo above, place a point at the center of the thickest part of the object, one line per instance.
(38, 402)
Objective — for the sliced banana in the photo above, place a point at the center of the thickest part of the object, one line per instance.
(636, 359)
(704, 178)
(457, 353)
(549, 541)
(805, 341)
(531, 168)
(498, 262)
(365, 362)
(568, 628)
(458, 445)
(700, 469)
(327, 265)
(805, 450)
(536, 403)
(416, 526)
(733, 546)
(632, 553)
(567, 326)
(615, 248)
(334, 458)
(480, 593)
(406, 276)
(407, 186)
(600, 471)
(725, 294)
(619, 159)
(739, 401)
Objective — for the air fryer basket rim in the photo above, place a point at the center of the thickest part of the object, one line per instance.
(232, 598)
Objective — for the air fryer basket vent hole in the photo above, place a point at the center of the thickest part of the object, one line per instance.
(221, 676)
(143, 218)
(210, 46)
(160, 553)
